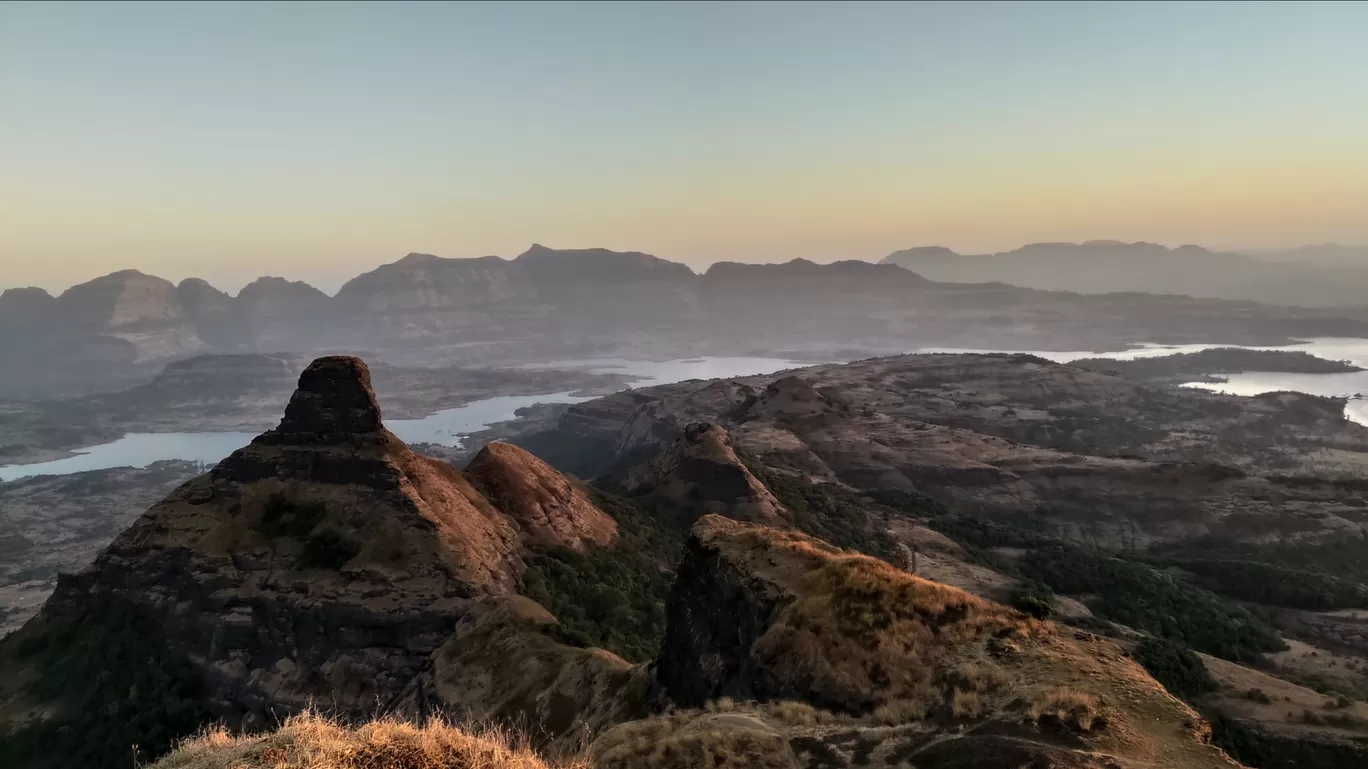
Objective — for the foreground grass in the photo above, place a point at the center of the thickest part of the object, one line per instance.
(310, 741)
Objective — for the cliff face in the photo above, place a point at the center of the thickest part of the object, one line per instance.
(570, 303)
(903, 672)
(283, 314)
(325, 559)
(142, 310)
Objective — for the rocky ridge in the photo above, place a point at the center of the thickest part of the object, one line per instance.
(327, 562)
(325, 559)
(1102, 458)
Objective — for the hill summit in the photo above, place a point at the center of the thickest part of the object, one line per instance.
(323, 562)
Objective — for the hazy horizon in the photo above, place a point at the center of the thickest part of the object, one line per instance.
(316, 141)
(331, 284)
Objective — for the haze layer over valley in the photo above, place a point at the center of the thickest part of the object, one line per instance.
(119, 330)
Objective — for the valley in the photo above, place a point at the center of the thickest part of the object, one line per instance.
(1211, 538)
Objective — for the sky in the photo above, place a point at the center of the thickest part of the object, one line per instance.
(317, 140)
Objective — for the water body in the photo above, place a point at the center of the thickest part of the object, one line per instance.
(449, 426)
(446, 427)
(1350, 385)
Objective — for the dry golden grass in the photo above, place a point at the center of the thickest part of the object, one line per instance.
(1078, 710)
(863, 634)
(722, 739)
(310, 741)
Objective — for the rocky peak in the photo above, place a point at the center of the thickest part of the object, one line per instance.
(548, 508)
(702, 467)
(21, 307)
(758, 614)
(795, 396)
(326, 559)
(334, 401)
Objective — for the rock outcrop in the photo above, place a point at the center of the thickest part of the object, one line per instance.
(549, 510)
(900, 670)
(503, 662)
(701, 467)
(326, 559)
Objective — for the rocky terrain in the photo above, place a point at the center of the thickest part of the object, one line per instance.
(854, 565)
(59, 523)
(1100, 457)
(118, 330)
(246, 392)
(1209, 365)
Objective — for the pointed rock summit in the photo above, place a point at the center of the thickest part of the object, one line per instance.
(549, 509)
(334, 402)
(326, 558)
(701, 466)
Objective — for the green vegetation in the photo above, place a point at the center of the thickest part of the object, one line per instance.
(1032, 602)
(614, 597)
(283, 518)
(1124, 588)
(327, 549)
(119, 694)
(1267, 583)
(1154, 601)
(1176, 667)
(1344, 557)
(841, 516)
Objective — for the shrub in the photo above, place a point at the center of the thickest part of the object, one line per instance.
(1177, 668)
(828, 511)
(327, 549)
(281, 517)
(613, 597)
(110, 682)
(1034, 605)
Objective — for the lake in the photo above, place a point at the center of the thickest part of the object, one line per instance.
(444, 427)
(447, 427)
(1253, 382)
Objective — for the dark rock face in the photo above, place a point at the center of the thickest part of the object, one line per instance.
(714, 615)
(334, 400)
(324, 560)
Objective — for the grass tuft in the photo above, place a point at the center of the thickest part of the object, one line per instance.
(311, 741)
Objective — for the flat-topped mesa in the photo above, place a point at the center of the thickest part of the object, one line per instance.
(334, 403)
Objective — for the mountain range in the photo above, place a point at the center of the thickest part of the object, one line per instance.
(1312, 276)
(120, 329)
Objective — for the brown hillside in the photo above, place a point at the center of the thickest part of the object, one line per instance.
(548, 508)
(926, 674)
(701, 467)
(325, 561)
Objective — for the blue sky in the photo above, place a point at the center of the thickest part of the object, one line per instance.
(316, 140)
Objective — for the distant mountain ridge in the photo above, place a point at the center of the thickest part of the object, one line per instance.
(1311, 276)
(120, 329)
